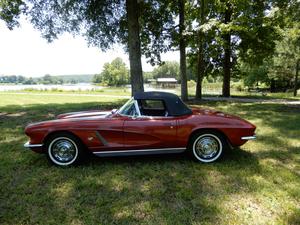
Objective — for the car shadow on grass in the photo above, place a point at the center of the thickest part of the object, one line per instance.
(172, 189)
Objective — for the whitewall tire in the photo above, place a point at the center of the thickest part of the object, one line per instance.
(64, 149)
(207, 146)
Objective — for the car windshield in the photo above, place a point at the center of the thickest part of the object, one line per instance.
(128, 108)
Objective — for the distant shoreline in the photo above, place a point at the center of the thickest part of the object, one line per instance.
(64, 87)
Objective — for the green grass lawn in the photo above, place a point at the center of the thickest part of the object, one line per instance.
(279, 95)
(258, 183)
(113, 91)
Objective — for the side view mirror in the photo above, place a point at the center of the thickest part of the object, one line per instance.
(114, 111)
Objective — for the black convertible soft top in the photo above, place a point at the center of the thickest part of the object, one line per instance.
(173, 103)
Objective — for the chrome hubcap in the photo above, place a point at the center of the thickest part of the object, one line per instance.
(63, 150)
(207, 147)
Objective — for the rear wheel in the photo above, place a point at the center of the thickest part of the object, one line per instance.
(64, 149)
(207, 146)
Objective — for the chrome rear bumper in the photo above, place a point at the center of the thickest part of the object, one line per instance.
(28, 145)
(249, 138)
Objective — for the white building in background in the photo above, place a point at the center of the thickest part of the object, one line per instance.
(166, 82)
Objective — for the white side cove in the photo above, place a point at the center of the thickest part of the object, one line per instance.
(139, 152)
(87, 114)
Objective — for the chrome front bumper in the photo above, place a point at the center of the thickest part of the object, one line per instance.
(247, 138)
(28, 145)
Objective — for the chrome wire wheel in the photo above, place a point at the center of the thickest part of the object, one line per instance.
(62, 151)
(207, 147)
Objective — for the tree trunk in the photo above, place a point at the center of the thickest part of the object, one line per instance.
(200, 72)
(296, 78)
(227, 54)
(182, 45)
(134, 46)
(200, 60)
(272, 85)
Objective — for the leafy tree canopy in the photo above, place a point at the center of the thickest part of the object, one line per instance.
(167, 69)
(115, 73)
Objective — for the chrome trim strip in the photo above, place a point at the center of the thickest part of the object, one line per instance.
(101, 138)
(249, 137)
(140, 151)
(28, 145)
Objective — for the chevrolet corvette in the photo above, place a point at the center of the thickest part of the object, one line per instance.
(148, 123)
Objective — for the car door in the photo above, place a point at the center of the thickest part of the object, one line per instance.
(147, 132)
(151, 127)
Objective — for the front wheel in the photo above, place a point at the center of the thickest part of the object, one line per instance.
(64, 149)
(207, 146)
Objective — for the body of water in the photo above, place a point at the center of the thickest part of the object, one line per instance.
(43, 87)
(71, 87)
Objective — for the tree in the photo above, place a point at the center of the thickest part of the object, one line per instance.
(253, 75)
(158, 29)
(161, 33)
(247, 33)
(10, 12)
(204, 54)
(29, 81)
(285, 67)
(280, 32)
(102, 22)
(13, 79)
(221, 33)
(167, 34)
(287, 57)
(114, 74)
(134, 46)
(21, 79)
(182, 46)
(200, 57)
(167, 69)
(227, 51)
(48, 79)
(296, 77)
(97, 79)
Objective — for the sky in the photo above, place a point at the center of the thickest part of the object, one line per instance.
(24, 52)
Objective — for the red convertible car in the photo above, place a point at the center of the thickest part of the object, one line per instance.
(149, 123)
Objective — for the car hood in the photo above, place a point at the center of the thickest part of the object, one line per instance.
(69, 119)
(81, 114)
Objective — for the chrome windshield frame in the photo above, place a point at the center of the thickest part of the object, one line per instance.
(135, 102)
(137, 108)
